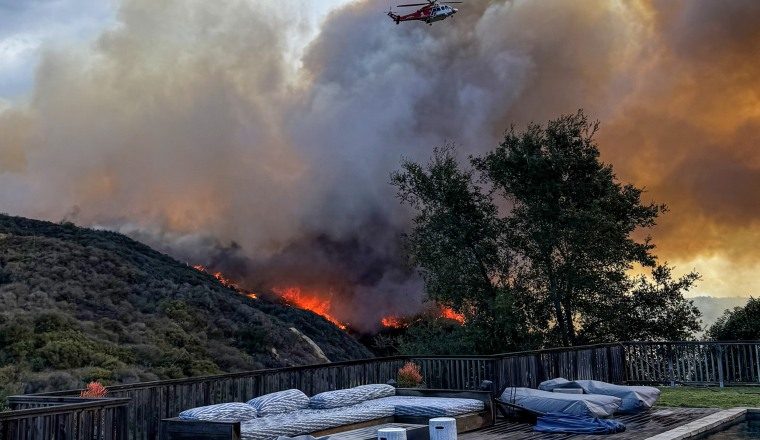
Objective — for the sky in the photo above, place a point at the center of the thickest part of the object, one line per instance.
(29, 27)
(258, 135)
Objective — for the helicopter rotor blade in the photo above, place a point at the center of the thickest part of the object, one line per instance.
(411, 4)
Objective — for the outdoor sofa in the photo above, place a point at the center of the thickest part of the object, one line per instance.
(594, 399)
(540, 402)
(291, 412)
(634, 398)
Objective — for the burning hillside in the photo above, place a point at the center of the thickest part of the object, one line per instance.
(293, 296)
(298, 297)
(226, 282)
(321, 303)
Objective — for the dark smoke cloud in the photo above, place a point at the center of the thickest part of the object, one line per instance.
(191, 126)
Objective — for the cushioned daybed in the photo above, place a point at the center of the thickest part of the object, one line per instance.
(291, 413)
(634, 398)
(542, 402)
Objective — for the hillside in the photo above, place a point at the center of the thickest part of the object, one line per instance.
(713, 307)
(78, 304)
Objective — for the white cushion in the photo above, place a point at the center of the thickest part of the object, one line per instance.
(279, 402)
(223, 412)
(306, 421)
(350, 396)
(431, 406)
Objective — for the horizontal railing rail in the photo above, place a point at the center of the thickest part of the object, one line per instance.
(685, 362)
(64, 418)
(694, 362)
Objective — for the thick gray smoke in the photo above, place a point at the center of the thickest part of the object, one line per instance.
(198, 126)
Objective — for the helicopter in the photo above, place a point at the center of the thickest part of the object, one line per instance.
(430, 12)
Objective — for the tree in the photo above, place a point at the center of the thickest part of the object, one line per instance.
(649, 309)
(456, 241)
(570, 217)
(739, 324)
(558, 255)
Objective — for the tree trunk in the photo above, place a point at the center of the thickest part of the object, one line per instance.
(492, 291)
(567, 300)
(557, 301)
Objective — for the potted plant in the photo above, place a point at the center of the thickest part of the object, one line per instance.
(94, 390)
(409, 376)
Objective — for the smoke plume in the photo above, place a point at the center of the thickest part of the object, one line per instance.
(210, 130)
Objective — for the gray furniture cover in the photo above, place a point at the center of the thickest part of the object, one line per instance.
(592, 405)
(634, 398)
(560, 382)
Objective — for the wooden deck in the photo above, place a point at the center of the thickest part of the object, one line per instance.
(638, 426)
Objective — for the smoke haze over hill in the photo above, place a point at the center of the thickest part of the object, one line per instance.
(210, 130)
(713, 308)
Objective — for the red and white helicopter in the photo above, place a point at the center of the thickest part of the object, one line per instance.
(430, 12)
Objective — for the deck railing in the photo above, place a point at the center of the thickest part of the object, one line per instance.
(64, 418)
(152, 401)
(629, 362)
(702, 363)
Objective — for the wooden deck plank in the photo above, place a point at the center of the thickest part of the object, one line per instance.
(638, 426)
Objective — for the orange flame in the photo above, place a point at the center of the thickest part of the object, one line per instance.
(226, 282)
(392, 322)
(397, 322)
(452, 314)
(297, 297)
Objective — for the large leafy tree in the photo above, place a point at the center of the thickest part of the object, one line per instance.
(739, 324)
(546, 232)
(571, 218)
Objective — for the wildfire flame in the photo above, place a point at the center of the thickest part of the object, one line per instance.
(441, 312)
(297, 297)
(392, 322)
(320, 305)
(226, 282)
(452, 314)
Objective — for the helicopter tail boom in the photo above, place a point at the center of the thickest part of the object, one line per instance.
(395, 17)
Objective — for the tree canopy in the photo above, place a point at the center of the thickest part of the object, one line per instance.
(535, 242)
(739, 324)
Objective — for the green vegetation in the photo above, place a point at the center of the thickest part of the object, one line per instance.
(78, 305)
(694, 397)
(739, 324)
(534, 243)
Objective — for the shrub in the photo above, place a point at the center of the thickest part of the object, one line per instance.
(409, 376)
(95, 374)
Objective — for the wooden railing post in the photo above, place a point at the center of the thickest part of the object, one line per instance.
(720, 365)
(671, 373)
(624, 363)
